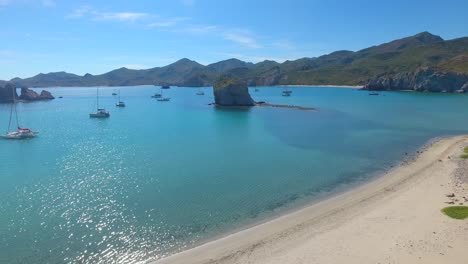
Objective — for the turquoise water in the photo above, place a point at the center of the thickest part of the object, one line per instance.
(157, 177)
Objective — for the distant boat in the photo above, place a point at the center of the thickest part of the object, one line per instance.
(157, 95)
(163, 99)
(21, 132)
(120, 103)
(200, 92)
(165, 87)
(60, 97)
(286, 92)
(100, 112)
(460, 91)
(374, 93)
(256, 89)
(114, 93)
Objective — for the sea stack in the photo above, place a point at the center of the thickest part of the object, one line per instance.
(231, 91)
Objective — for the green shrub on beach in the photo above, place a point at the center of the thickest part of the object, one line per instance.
(457, 212)
(464, 156)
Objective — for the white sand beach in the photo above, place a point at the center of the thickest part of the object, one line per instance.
(395, 218)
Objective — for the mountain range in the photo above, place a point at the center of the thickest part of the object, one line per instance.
(339, 68)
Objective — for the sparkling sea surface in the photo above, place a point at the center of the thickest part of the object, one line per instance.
(158, 177)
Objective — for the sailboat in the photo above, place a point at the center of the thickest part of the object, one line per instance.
(286, 92)
(100, 112)
(120, 103)
(163, 99)
(21, 133)
(200, 92)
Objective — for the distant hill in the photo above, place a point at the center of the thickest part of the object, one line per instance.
(340, 67)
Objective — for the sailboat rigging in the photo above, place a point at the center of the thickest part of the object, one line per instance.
(21, 133)
(100, 112)
(120, 103)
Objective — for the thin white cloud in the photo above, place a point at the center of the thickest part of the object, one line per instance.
(169, 22)
(242, 39)
(120, 16)
(88, 11)
(201, 29)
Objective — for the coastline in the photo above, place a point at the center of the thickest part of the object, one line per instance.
(322, 86)
(344, 227)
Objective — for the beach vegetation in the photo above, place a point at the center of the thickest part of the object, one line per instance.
(456, 212)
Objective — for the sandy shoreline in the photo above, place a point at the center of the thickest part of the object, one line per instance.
(393, 219)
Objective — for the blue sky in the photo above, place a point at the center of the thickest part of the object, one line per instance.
(98, 36)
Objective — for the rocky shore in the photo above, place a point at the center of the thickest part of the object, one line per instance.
(423, 80)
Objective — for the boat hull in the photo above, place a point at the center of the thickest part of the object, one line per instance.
(19, 135)
(99, 115)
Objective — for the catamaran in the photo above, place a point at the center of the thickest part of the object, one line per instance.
(100, 112)
(120, 103)
(21, 133)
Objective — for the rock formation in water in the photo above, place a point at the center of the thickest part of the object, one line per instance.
(30, 95)
(231, 91)
(423, 79)
(7, 92)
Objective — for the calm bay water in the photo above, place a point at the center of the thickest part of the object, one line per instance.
(157, 177)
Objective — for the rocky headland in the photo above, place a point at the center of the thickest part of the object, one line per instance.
(423, 80)
(7, 93)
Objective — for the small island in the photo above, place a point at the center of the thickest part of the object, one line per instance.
(232, 92)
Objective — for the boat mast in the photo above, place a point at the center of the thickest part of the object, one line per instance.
(11, 110)
(97, 97)
(14, 104)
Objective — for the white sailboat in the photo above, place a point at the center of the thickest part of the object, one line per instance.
(100, 112)
(120, 103)
(21, 132)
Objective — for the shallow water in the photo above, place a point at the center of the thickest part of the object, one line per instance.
(157, 177)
